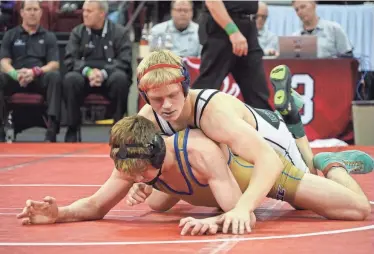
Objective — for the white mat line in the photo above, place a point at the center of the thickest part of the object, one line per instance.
(54, 155)
(49, 185)
(115, 210)
(328, 232)
(109, 215)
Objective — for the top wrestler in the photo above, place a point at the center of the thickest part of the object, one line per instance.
(253, 134)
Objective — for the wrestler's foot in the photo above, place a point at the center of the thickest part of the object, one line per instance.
(280, 77)
(285, 98)
(354, 161)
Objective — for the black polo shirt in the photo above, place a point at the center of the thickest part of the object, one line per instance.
(244, 7)
(94, 51)
(29, 50)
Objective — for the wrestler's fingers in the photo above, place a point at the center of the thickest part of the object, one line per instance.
(186, 228)
(183, 221)
(235, 226)
(196, 229)
(49, 199)
(241, 227)
(213, 229)
(132, 201)
(138, 197)
(204, 229)
(226, 225)
(137, 190)
(26, 221)
(141, 194)
(248, 226)
(24, 213)
(32, 210)
(128, 202)
(32, 203)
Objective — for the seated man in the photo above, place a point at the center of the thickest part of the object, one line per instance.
(188, 166)
(267, 40)
(332, 40)
(180, 32)
(98, 58)
(30, 63)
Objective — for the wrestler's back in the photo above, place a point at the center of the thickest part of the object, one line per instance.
(224, 101)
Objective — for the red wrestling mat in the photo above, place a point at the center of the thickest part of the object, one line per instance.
(68, 172)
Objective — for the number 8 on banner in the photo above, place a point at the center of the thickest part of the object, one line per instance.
(308, 82)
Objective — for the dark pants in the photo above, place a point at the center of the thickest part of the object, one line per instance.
(48, 85)
(218, 60)
(76, 88)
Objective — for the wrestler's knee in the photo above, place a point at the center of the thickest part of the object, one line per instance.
(363, 210)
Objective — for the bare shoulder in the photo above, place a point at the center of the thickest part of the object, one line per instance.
(203, 153)
(225, 103)
(147, 112)
(199, 145)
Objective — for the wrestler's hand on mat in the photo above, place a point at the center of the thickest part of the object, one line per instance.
(198, 226)
(138, 193)
(39, 212)
(239, 44)
(241, 221)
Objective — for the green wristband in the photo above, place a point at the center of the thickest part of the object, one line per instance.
(13, 74)
(231, 28)
(87, 71)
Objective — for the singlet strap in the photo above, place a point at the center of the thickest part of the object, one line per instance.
(164, 125)
(201, 102)
(183, 157)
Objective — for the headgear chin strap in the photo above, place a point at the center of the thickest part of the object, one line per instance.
(185, 74)
(157, 152)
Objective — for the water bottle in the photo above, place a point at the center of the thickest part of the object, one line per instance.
(9, 134)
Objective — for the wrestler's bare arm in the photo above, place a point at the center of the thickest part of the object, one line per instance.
(160, 201)
(147, 112)
(223, 123)
(99, 204)
(210, 164)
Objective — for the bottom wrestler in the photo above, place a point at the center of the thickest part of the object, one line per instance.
(188, 166)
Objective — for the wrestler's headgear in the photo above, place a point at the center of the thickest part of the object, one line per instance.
(157, 152)
(185, 79)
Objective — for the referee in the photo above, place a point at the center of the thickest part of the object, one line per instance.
(228, 34)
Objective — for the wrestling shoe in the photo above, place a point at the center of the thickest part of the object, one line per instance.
(299, 102)
(354, 161)
(285, 98)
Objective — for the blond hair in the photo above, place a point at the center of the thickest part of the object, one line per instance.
(132, 130)
(160, 76)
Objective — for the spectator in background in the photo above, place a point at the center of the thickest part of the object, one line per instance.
(6, 14)
(183, 32)
(98, 59)
(332, 40)
(267, 40)
(30, 63)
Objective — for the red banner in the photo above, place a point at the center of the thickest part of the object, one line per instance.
(327, 87)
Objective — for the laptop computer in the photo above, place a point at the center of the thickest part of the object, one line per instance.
(298, 46)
